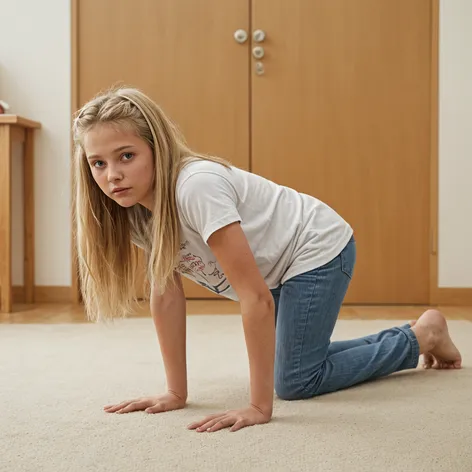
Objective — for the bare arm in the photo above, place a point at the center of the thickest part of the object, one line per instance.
(232, 250)
(169, 315)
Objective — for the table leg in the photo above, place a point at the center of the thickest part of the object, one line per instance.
(5, 219)
(28, 196)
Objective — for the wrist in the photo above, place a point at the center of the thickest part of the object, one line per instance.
(265, 410)
(180, 395)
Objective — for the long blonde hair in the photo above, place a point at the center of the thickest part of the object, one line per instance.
(108, 235)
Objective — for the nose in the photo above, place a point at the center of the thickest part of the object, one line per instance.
(114, 174)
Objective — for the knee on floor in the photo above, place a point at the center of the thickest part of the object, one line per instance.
(287, 391)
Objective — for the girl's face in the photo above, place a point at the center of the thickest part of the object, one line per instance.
(122, 164)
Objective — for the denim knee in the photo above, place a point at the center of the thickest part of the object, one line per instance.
(292, 391)
(292, 385)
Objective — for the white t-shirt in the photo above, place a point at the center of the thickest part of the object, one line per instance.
(289, 232)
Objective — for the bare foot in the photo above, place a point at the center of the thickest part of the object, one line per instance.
(428, 359)
(439, 352)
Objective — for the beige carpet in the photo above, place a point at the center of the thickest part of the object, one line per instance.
(55, 380)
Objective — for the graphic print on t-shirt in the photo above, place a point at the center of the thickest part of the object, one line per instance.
(208, 275)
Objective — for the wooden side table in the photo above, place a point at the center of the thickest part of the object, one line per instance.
(15, 128)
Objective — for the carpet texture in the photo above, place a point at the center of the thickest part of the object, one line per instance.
(55, 380)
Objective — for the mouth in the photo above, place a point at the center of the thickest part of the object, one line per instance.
(120, 191)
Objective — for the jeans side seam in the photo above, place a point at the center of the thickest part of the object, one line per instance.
(304, 387)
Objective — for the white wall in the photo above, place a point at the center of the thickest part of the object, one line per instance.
(35, 80)
(455, 144)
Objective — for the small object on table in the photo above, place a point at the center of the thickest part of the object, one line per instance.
(4, 107)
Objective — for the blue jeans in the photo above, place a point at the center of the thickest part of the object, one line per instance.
(307, 363)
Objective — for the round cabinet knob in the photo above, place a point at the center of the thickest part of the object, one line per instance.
(259, 68)
(258, 36)
(240, 36)
(258, 52)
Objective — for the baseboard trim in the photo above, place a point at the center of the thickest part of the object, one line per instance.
(452, 296)
(44, 294)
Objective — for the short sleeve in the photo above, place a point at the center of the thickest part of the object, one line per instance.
(207, 202)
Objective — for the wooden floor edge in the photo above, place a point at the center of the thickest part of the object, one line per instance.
(63, 294)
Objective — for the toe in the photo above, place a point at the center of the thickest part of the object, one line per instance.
(428, 360)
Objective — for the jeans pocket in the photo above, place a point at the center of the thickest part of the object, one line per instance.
(348, 258)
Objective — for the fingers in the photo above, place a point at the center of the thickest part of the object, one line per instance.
(234, 419)
(119, 406)
(139, 405)
(238, 425)
(223, 422)
(127, 406)
(157, 408)
(216, 424)
(199, 424)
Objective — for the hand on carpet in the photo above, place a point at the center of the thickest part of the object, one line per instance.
(237, 419)
(158, 404)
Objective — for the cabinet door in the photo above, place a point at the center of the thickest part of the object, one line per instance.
(183, 54)
(341, 112)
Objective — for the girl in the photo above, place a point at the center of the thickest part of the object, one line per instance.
(286, 257)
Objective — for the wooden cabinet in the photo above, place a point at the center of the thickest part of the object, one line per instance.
(340, 111)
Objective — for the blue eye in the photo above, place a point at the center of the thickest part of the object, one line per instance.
(126, 155)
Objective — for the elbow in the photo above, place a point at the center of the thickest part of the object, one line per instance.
(258, 302)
